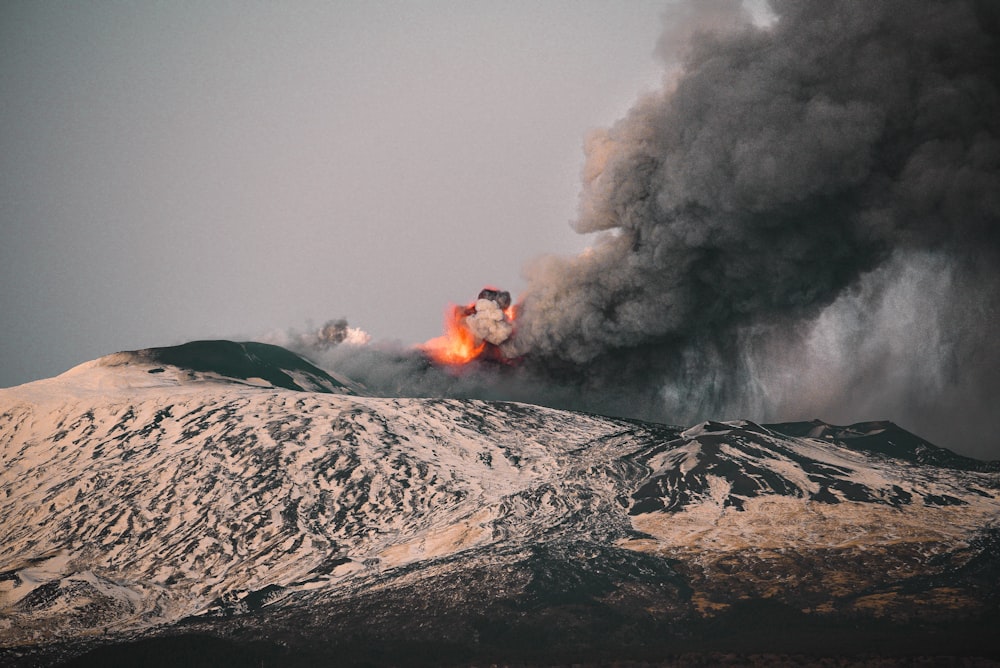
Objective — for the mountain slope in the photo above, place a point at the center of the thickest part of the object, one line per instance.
(151, 493)
(228, 359)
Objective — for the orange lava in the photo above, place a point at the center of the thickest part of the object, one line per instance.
(458, 345)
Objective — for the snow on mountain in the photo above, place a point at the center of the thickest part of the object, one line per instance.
(217, 481)
(159, 495)
(798, 492)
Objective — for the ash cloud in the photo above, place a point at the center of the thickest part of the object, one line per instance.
(780, 183)
(802, 223)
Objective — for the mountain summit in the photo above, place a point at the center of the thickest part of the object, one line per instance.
(235, 499)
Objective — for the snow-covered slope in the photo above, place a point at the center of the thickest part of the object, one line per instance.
(132, 498)
(198, 484)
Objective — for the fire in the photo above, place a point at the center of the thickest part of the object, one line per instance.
(458, 345)
(475, 330)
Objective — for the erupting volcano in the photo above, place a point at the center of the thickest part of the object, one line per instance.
(476, 331)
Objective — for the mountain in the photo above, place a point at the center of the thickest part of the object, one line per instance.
(224, 503)
(242, 361)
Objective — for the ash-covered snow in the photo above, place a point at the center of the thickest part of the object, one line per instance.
(135, 493)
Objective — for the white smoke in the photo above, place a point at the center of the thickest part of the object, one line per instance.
(332, 334)
(489, 323)
(336, 332)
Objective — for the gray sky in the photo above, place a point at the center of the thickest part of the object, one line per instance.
(185, 170)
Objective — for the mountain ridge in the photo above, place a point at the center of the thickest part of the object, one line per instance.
(144, 504)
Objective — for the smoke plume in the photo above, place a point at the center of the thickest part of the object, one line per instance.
(802, 223)
(774, 193)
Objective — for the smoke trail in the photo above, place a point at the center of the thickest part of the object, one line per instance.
(778, 171)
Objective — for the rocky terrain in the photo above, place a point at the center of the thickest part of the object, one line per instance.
(231, 503)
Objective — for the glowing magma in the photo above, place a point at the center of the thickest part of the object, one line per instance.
(474, 329)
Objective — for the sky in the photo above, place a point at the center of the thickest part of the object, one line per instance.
(179, 171)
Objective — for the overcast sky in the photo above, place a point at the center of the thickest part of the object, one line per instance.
(186, 170)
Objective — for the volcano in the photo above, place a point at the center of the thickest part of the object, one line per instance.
(224, 503)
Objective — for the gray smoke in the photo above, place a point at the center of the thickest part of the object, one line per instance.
(782, 182)
(803, 223)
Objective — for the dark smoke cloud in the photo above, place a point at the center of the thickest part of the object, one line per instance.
(782, 168)
(786, 164)
(802, 223)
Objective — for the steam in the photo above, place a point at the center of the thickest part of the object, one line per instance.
(802, 223)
